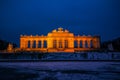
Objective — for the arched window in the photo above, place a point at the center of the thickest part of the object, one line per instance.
(66, 44)
(81, 43)
(39, 44)
(86, 44)
(91, 43)
(45, 44)
(75, 44)
(54, 43)
(60, 43)
(34, 44)
(28, 44)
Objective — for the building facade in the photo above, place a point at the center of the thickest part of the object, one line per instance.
(59, 40)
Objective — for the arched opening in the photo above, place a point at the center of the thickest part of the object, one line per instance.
(28, 44)
(66, 43)
(91, 43)
(34, 44)
(54, 43)
(39, 44)
(75, 44)
(60, 43)
(81, 45)
(45, 44)
(86, 44)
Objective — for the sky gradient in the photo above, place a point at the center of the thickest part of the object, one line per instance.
(84, 17)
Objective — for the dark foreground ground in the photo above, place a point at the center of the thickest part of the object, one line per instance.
(60, 70)
(86, 56)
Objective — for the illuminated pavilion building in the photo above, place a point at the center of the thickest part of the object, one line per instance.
(59, 40)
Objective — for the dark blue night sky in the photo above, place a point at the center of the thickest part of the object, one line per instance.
(84, 17)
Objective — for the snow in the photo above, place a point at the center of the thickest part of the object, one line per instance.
(69, 70)
(63, 56)
(74, 66)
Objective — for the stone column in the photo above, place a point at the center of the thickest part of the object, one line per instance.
(78, 43)
(36, 43)
(42, 43)
(98, 43)
(57, 42)
(67, 43)
(31, 43)
(94, 44)
(88, 43)
(83, 43)
(22, 43)
(26, 44)
(63, 43)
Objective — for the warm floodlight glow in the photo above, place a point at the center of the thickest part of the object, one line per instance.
(59, 40)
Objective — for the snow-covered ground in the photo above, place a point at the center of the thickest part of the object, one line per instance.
(62, 56)
(69, 70)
